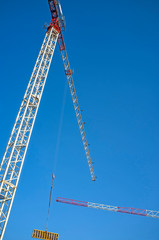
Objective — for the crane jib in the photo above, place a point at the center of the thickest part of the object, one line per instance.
(128, 210)
(54, 8)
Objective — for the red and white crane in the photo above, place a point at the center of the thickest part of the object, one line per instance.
(129, 210)
(57, 18)
(13, 158)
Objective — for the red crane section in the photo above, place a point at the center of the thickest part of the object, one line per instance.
(129, 210)
(72, 201)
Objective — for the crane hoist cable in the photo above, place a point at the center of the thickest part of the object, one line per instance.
(53, 177)
(57, 148)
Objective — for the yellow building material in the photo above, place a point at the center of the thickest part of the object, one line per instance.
(44, 235)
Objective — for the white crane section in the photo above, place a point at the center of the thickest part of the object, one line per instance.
(68, 73)
(12, 162)
(129, 210)
(56, 11)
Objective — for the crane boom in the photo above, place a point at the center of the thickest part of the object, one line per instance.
(12, 162)
(129, 210)
(56, 12)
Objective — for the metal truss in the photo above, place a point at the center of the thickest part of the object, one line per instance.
(129, 210)
(68, 73)
(12, 162)
(151, 213)
(57, 15)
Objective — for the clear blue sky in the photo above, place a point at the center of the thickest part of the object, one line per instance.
(114, 51)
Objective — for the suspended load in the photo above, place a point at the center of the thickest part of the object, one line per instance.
(38, 234)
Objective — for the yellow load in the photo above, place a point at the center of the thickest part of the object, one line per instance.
(44, 235)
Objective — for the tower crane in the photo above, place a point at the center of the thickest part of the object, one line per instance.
(13, 159)
(129, 210)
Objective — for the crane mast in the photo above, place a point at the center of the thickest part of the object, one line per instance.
(129, 210)
(12, 162)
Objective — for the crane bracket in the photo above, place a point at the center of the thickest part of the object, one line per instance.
(68, 72)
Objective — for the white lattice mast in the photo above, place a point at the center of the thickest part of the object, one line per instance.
(129, 210)
(12, 162)
(56, 11)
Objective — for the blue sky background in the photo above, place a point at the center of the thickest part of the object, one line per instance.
(114, 51)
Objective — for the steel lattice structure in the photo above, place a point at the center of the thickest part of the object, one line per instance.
(56, 12)
(13, 159)
(69, 73)
(129, 210)
(14, 155)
